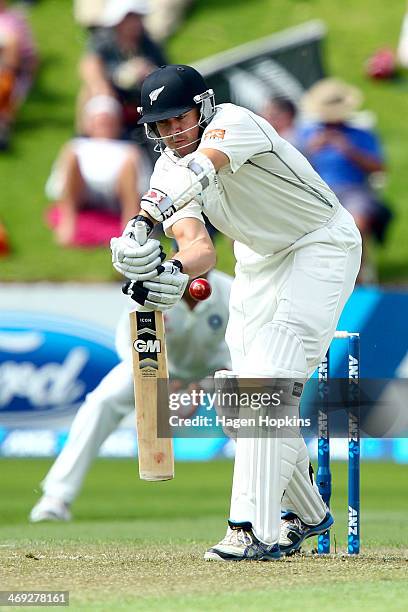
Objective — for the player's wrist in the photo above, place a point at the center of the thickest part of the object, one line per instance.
(177, 263)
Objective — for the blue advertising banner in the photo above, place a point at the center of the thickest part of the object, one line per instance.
(47, 366)
(56, 348)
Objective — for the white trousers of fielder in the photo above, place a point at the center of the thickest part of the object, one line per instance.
(98, 416)
(284, 310)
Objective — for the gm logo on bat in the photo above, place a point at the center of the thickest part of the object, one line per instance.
(147, 346)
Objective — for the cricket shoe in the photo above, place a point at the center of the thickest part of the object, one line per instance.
(50, 509)
(294, 531)
(241, 544)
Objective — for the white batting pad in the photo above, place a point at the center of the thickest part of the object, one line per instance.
(263, 467)
(269, 469)
(301, 496)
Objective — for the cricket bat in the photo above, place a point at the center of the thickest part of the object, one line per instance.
(150, 373)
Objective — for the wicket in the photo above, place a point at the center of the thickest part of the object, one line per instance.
(323, 472)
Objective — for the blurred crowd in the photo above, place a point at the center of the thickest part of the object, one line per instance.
(98, 176)
(18, 64)
(343, 147)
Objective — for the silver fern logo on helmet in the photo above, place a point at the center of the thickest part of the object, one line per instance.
(153, 95)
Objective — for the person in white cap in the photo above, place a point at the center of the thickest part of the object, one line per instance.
(98, 173)
(298, 253)
(119, 56)
(162, 19)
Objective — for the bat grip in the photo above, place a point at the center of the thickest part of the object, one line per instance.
(145, 227)
(140, 232)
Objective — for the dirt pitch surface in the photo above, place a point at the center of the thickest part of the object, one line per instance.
(110, 560)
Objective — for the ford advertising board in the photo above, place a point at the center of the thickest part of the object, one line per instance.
(47, 366)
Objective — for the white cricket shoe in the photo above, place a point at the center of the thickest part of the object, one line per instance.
(240, 544)
(50, 509)
(294, 531)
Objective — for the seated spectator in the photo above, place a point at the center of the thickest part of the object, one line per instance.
(120, 55)
(97, 180)
(281, 114)
(18, 63)
(345, 155)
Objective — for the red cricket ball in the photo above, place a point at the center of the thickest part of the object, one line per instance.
(200, 289)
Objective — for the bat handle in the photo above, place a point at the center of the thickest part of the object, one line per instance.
(140, 232)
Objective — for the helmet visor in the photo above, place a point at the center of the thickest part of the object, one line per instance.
(153, 116)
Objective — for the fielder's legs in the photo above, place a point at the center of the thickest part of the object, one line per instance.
(98, 416)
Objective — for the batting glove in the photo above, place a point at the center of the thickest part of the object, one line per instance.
(161, 293)
(134, 261)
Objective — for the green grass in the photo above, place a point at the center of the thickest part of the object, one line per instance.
(139, 546)
(356, 29)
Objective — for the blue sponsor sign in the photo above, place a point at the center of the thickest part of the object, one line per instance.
(49, 363)
(47, 366)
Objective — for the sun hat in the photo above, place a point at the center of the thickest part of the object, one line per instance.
(331, 100)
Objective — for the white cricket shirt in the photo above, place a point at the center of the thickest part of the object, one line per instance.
(268, 196)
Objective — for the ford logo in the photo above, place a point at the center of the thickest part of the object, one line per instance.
(48, 365)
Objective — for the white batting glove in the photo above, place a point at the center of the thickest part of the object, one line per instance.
(161, 293)
(134, 261)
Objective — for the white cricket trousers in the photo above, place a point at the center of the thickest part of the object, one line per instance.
(98, 416)
(284, 310)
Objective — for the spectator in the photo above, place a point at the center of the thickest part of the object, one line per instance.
(88, 13)
(18, 63)
(281, 114)
(346, 156)
(119, 57)
(165, 17)
(97, 180)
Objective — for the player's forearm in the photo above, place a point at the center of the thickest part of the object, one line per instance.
(197, 258)
(196, 251)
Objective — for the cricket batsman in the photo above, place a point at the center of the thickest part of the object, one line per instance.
(298, 253)
(195, 334)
